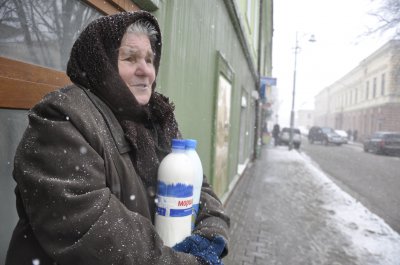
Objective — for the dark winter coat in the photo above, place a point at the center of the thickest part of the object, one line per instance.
(275, 131)
(69, 158)
(80, 196)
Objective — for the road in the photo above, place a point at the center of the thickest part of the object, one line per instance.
(372, 179)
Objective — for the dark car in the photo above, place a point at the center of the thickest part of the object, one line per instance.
(324, 135)
(383, 143)
(284, 137)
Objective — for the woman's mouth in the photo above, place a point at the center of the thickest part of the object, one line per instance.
(139, 86)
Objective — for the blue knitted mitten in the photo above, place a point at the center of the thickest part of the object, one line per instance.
(207, 250)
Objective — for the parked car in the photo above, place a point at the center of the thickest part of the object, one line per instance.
(284, 137)
(324, 135)
(383, 143)
(344, 135)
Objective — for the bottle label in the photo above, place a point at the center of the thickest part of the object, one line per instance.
(178, 190)
(174, 207)
(174, 200)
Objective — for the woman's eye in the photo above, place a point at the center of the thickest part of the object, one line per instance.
(131, 59)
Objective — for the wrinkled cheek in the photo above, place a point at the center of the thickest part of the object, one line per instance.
(126, 73)
(153, 76)
(127, 78)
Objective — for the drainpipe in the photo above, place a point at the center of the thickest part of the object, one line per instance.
(257, 101)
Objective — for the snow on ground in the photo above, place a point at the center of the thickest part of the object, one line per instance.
(369, 233)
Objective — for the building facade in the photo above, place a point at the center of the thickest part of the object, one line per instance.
(304, 119)
(214, 52)
(367, 99)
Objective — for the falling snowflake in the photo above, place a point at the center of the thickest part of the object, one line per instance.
(35, 262)
(83, 150)
(132, 197)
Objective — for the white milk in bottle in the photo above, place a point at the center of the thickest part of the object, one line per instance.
(198, 176)
(173, 219)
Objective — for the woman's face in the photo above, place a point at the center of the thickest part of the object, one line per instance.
(135, 65)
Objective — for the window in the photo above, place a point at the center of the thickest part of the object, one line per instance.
(255, 31)
(383, 84)
(374, 88)
(355, 95)
(223, 102)
(350, 97)
(248, 12)
(42, 35)
(35, 41)
(367, 90)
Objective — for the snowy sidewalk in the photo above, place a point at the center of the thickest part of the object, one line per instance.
(285, 211)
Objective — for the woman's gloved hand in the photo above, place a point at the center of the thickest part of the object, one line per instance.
(207, 250)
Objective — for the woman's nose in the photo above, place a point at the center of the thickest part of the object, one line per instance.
(143, 67)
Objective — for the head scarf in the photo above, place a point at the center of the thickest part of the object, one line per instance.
(93, 65)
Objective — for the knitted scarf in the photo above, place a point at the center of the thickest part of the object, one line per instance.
(151, 139)
(93, 65)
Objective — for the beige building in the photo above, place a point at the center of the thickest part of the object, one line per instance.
(304, 119)
(367, 99)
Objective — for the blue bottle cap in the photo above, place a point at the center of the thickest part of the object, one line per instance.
(178, 144)
(191, 144)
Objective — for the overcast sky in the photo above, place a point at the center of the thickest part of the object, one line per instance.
(339, 27)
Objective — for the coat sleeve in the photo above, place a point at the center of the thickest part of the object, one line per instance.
(73, 215)
(212, 220)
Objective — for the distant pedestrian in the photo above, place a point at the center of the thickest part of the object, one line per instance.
(355, 135)
(349, 135)
(275, 134)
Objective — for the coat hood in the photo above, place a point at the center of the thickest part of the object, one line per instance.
(93, 62)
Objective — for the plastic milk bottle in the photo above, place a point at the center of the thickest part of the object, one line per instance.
(173, 218)
(198, 176)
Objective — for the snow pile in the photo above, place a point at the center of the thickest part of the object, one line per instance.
(368, 232)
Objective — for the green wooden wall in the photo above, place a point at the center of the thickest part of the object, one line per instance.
(194, 32)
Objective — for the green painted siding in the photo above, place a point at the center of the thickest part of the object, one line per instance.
(193, 34)
(249, 13)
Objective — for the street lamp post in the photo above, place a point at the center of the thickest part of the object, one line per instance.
(296, 48)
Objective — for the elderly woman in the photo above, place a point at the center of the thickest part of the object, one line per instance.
(86, 168)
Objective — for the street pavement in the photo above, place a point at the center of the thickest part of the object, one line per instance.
(285, 211)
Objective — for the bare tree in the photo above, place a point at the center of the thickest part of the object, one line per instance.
(47, 29)
(388, 16)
